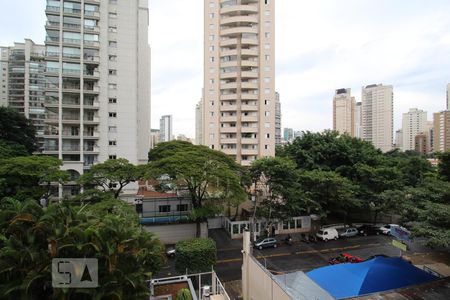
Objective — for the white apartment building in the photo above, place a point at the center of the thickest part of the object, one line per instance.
(277, 119)
(199, 123)
(377, 115)
(97, 96)
(413, 123)
(239, 78)
(358, 120)
(344, 112)
(165, 129)
(22, 82)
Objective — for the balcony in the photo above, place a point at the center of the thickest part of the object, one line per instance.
(52, 25)
(228, 42)
(92, 74)
(249, 119)
(91, 120)
(225, 75)
(91, 135)
(239, 19)
(52, 9)
(238, 30)
(249, 108)
(72, 27)
(228, 119)
(89, 89)
(228, 141)
(89, 59)
(73, 11)
(71, 88)
(91, 29)
(92, 44)
(249, 129)
(249, 85)
(229, 151)
(228, 129)
(91, 104)
(238, 9)
(228, 97)
(249, 96)
(71, 41)
(249, 63)
(91, 149)
(92, 13)
(249, 141)
(231, 85)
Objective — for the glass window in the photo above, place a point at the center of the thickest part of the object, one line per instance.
(72, 7)
(71, 52)
(164, 208)
(52, 66)
(53, 35)
(52, 50)
(71, 68)
(90, 9)
(88, 23)
(71, 22)
(182, 207)
(91, 37)
(71, 37)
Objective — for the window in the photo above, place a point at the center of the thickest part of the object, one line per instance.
(211, 102)
(267, 23)
(267, 68)
(211, 26)
(268, 135)
(267, 125)
(112, 129)
(211, 15)
(212, 146)
(112, 100)
(211, 81)
(211, 70)
(211, 59)
(112, 44)
(266, 102)
(112, 1)
(211, 92)
(112, 156)
(112, 86)
(112, 72)
(266, 91)
(112, 57)
(267, 57)
(211, 4)
(182, 207)
(112, 143)
(267, 35)
(113, 15)
(267, 79)
(113, 115)
(211, 136)
(266, 2)
(266, 147)
(266, 46)
(267, 113)
(211, 113)
(267, 13)
(164, 208)
(211, 48)
(112, 28)
(211, 37)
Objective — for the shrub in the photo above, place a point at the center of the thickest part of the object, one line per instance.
(195, 255)
(184, 294)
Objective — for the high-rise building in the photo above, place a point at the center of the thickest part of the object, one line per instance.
(165, 128)
(98, 82)
(288, 134)
(154, 138)
(413, 123)
(277, 119)
(377, 115)
(239, 78)
(344, 112)
(199, 123)
(441, 141)
(22, 82)
(448, 96)
(421, 143)
(358, 120)
(398, 139)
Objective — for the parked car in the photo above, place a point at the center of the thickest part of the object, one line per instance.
(327, 234)
(368, 230)
(344, 258)
(386, 229)
(266, 243)
(348, 232)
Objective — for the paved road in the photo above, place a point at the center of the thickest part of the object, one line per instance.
(300, 256)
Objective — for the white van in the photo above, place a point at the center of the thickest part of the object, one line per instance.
(326, 234)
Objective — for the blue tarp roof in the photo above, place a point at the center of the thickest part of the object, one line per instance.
(375, 275)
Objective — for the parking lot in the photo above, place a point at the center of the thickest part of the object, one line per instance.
(298, 256)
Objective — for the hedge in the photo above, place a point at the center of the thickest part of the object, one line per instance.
(196, 255)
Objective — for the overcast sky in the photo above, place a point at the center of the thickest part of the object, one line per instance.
(321, 45)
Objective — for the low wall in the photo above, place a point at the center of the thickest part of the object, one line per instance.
(173, 233)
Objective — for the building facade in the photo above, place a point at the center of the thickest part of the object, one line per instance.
(377, 115)
(199, 123)
(154, 138)
(358, 120)
(398, 139)
(165, 129)
(413, 123)
(239, 78)
(97, 96)
(441, 131)
(288, 134)
(344, 112)
(22, 82)
(448, 97)
(277, 119)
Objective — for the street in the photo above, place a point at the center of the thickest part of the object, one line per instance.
(299, 256)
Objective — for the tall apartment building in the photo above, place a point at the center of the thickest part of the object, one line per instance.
(441, 131)
(288, 134)
(98, 81)
(398, 141)
(448, 97)
(199, 123)
(22, 82)
(239, 78)
(154, 138)
(413, 123)
(344, 112)
(165, 129)
(358, 120)
(277, 119)
(377, 115)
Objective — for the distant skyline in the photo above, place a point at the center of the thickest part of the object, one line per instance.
(321, 46)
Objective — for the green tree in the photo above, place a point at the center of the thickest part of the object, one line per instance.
(207, 175)
(8, 149)
(29, 176)
(195, 255)
(30, 236)
(184, 294)
(112, 175)
(16, 129)
(444, 166)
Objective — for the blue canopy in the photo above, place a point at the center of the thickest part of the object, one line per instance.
(375, 275)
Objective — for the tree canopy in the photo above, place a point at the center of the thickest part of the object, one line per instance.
(16, 129)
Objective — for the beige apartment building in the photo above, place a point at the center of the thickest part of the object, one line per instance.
(448, 96)
(413, 123)
(378, 115)
(97, 96)
(239, 78)
(441, 140)
(344, 106)
(22, 82)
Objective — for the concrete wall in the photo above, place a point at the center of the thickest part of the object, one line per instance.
(172, 233)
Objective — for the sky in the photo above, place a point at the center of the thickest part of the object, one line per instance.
(321, 45)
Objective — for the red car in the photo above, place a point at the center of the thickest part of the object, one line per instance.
(344, 258)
